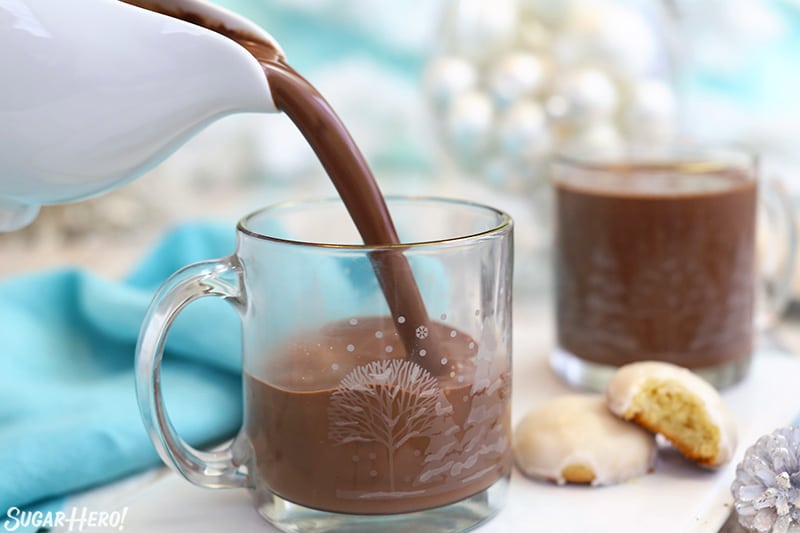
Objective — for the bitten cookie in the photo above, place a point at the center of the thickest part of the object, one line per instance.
(680, 405)
(574, 438)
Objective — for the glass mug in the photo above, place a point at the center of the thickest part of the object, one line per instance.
(655, 259)
(343, 429)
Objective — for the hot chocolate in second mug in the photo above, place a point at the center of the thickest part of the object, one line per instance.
(358, 416)
(655, 253)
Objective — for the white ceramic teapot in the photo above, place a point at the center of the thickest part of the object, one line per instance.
(96, 92)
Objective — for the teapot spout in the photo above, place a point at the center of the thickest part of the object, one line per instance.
(97, 92)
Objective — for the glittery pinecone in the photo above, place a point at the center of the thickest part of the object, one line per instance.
(766, 490)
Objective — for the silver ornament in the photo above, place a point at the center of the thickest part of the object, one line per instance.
(516, 75)
(523, 131)
(469, 122)
(584, 95)
(480, 29)
(448, 76)
(650, 113)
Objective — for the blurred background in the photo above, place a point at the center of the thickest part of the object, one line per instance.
(463, 98)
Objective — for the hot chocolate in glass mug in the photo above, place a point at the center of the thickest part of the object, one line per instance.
(655, 259)
(377, 376)
(358, 416)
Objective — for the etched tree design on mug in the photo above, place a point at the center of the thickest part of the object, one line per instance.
(477, 447)
(671, 288)
(736, 300)
(388, 402)
(593, 308)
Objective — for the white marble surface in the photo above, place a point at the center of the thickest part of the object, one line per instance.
(676, 497)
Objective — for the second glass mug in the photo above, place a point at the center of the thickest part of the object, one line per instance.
(655, 254)
(343, 430)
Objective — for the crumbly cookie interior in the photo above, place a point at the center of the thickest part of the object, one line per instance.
(669, 408)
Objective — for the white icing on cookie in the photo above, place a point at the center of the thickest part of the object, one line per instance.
(578, 431)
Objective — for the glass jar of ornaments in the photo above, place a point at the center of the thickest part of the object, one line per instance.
(514, 80)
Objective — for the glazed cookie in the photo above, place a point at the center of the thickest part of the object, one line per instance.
(677, 403)
(574, 438)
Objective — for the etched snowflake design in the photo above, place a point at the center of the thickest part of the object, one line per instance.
(422, 332)
(766, 490)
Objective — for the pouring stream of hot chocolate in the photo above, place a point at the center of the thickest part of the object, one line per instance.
(353, 179)
(350, 174)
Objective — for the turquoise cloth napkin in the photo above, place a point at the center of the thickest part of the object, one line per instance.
(68, 413)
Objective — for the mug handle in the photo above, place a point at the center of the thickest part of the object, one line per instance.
(776, 211)
(218, 277)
